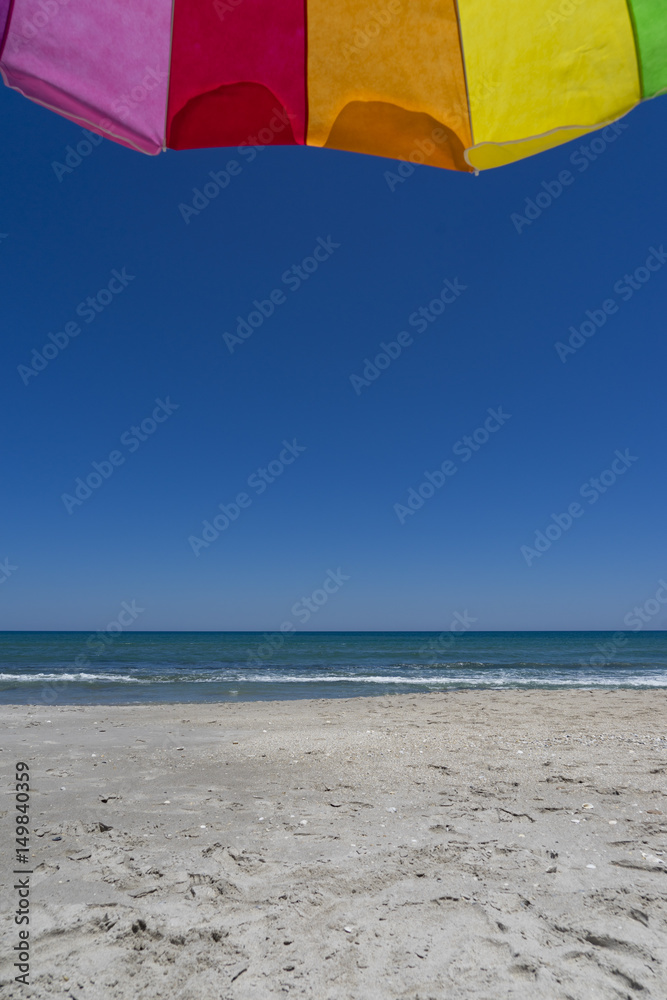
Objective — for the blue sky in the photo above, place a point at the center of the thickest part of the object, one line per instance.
(167, 284)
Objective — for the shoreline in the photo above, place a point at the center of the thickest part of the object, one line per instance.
(470, 844)
(476, 689)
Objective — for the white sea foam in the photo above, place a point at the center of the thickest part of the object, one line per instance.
(486, 681)
(28, 678)
(498, 678)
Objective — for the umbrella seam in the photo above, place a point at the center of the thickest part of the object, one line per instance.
(166, 103)
(5, 33)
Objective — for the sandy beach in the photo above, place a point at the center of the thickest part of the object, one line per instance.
(486, 845)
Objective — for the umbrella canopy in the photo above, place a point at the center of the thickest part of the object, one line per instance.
(466, 85)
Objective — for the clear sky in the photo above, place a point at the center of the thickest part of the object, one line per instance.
(345, 447)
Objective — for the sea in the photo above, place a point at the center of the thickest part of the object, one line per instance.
(101, 668)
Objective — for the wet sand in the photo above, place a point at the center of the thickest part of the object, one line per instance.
(485, 845)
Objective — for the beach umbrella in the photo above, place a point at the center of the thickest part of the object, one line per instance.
(466, 85)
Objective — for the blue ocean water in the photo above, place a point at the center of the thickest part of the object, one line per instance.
(105, 668)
